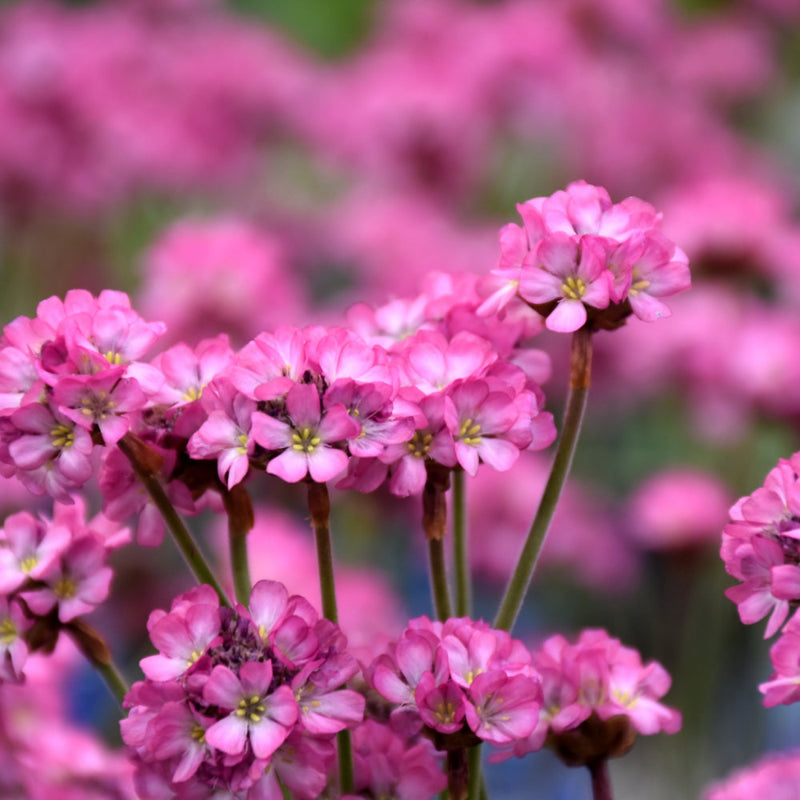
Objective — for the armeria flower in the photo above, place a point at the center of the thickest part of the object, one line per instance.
(388, 764)
(103, 400)
(76, 583)
(569, 272)
(13, 647)
(226, 435)
(484, 427)
(776, 775)
(241, 700)
(258, 716)
(187, 371)
(50, 453)
(761, 547)
(579, 254)
(598, 696)
(306, 442)
(30, 548)
(783, 687)
(484, 688)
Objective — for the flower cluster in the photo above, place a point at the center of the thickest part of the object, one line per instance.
(52, 571)
(388, 764)
(597, 696)
(71, 376)
(458, 677)
(775, 776)
(314, 402)
(240, 699)
(578, 257)
(761, 547)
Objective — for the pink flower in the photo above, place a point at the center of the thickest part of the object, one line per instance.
(307, 440)
(103, 400)
(31, 547)
(503, 708)
(226, 435)
(572, 273)
(257, 715)
(76, 583)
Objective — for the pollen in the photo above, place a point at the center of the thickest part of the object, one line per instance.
(469, 432)
(305, 440)
(28, 563)
(573, 288)
(63, 437)
(65, 588)
(192, 393)
(446, 712)
(638, 284)
(8, 631)
(199, 734)
(112, 357)
(241, 448)
(420, 444)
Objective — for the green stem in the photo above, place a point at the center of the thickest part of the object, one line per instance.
(94, 646)
(439, 588)
(143, 461)
(114, 681)
(345, 750)
(461, 547)
(475, 782)
(319, 506)
(240, 521)
(580, 377)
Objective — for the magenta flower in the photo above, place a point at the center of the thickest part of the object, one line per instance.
(13, 647)
(503, 708)
(570, 272)
(307, 440)
(257, 715)
(103, 400)
(31, 546)
(51, 453)
(77, 582)
(226, 435)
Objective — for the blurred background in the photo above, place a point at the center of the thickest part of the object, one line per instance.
(236, 166)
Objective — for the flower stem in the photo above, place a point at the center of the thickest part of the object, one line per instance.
(94, 646)
(460, 547)
(319, 506)
(145, 464)
(434, 523)
(240, 523)
(579, 381)
(475, 782)
(601, 782)
(439, 588)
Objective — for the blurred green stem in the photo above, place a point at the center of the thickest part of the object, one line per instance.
(145, 463)
(460, 547)
(579, 381)
(240, 522)
(319, 506)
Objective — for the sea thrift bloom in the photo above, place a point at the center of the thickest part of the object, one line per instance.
(569, 272)
(776, 775)
(390, 765)
(76, 583)
(783, 687)
(459, 676)
(260, 685)
(306, 442)
(761, 547)
(597, 696)
(579, 254)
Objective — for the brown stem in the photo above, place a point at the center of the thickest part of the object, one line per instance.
(601, 782)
